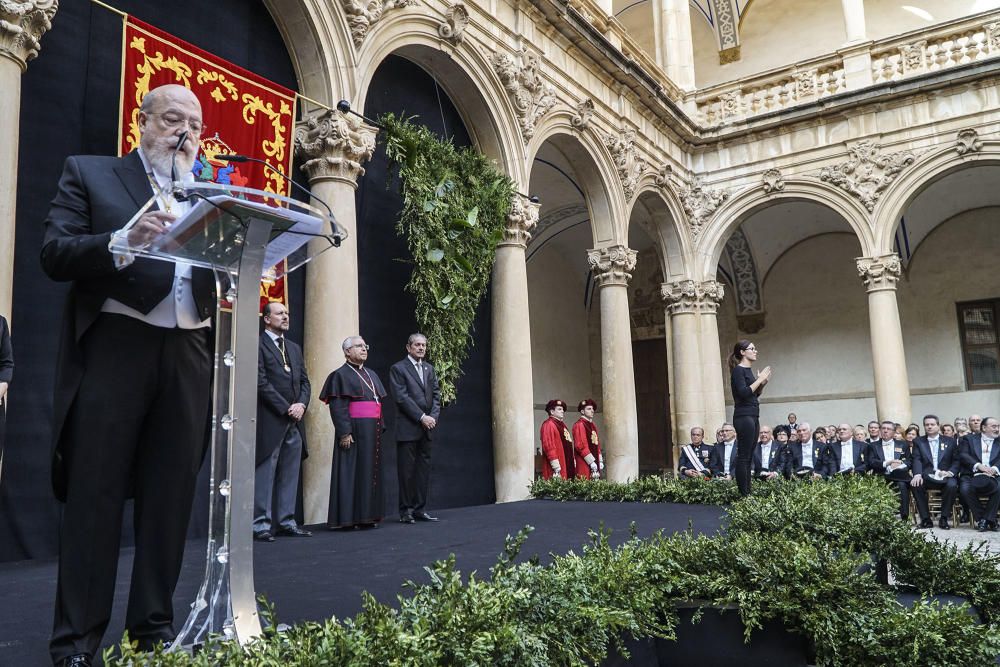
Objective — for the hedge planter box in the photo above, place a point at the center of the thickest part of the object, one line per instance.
(716, 640)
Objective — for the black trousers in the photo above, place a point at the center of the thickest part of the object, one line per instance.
(948, 489)
(413, 466)
(747, 432)
(971, 487)
(137, 426)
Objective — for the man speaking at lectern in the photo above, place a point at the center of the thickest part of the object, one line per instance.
(133, 380)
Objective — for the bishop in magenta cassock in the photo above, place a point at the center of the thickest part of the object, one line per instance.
(355, 395)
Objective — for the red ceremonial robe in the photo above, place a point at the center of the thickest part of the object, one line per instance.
(585, 441)
(557, 445)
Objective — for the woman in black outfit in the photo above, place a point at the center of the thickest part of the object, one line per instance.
(746, 409)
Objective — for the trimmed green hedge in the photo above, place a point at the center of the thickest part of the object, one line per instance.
(791, 552)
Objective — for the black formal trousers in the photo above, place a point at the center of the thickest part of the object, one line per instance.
(747, 433)
(138, 425)
(413, 467)
(971, 487)
(949, 491)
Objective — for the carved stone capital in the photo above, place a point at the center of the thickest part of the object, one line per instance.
(867, 172)
(630, 166)
(700, 203)
(333, 146)
(531, 95)
(880, 273)
(521, 219)
(22, 24)
(968, 142)
(612, 265)
(688, 296)
(454, 25)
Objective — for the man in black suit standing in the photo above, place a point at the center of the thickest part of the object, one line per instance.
(282, 396)
(936, 464)
(418, 401)
(133, 379)
(980, 473)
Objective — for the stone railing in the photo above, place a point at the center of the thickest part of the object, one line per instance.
(942, 47)
(919, 52)
(770, 91)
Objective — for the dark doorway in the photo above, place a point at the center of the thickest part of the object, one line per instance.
(649, 358)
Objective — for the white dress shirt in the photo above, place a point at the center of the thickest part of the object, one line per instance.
(846, 455)
(178, 308)
(765, 456)
(888, 453)
(727, 453)
(932, 443)
(987, 448)
(807, 454)
(419, 366)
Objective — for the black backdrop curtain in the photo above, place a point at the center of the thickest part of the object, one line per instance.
(462, 449)
(69, 105)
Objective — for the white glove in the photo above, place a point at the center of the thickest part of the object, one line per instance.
(593, 467)
(556, 468)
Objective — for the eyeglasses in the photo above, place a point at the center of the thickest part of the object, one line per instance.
(362, 346)
(751, 349)
(172, 121)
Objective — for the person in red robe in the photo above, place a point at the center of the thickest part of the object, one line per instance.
(586, 443)
(557, 443)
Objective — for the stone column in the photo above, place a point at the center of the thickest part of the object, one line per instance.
(612, 268)
(332, 146)
(22, 24)
(674, 46)
(697, 397)
(713, 370)
(854, 20)
(513, 396)
(892, 386)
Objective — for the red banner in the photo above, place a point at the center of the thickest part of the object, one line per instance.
(243, 113)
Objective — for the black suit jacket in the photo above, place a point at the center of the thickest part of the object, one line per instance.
(831, 457)
(276, 391)
(96, 197)
(777, 462)
(818, 461)
(901, 451)
(718, 454)
(971, 450)
(414, 399)
(949, 457)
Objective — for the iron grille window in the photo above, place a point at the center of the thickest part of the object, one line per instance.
(978, 326)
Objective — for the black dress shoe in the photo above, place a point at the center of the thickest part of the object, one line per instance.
(293, 531)
(424, 516)
(78, 660)
(406, 518)
(263, 536)
(992, 525)
(981, 525)
(926, 523)
(943, 524)
(369, 524)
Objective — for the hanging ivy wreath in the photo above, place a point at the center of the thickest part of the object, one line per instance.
(455, 204)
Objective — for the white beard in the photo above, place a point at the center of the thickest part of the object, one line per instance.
(160, 162)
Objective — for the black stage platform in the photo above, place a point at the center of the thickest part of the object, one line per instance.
(314, 578)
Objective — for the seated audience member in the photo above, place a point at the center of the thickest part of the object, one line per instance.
(845, 454)
(860, 433)
(890, 457)
(831, 432)
(936, 464)
(793, 435)
(718, 436)
(725, 453)
(873, 432)
(781, 440)
(807, 454)
(909, 435)
(696, 458)
(980, 469)
(819, 435)
(961, 428)
(948, 430)
(768, 456)
(975, 424)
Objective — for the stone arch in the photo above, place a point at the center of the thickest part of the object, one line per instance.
(969, 152)
(465, 76)
(601, 183)
(729, 216)
(319, 45)
(674, 248)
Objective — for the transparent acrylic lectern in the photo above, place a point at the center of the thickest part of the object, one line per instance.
(240, 235)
